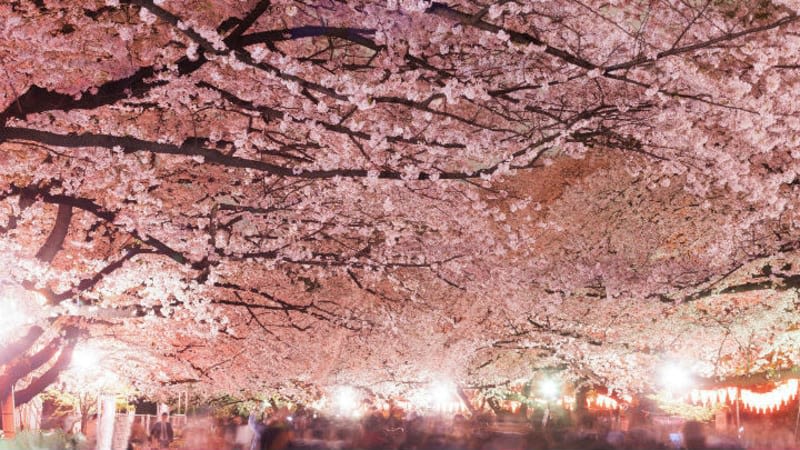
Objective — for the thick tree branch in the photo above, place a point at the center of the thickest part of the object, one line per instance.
(703, 44)
(248, 21)
(216, 157)
(23, 365)
(443, 10)
(49, 377)
(20, 346)
(37, 99)
(56, 238)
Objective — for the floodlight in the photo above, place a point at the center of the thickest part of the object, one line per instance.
(441, 393)
(675, 377)
(549, 389)
(346, 399)
(85, 359)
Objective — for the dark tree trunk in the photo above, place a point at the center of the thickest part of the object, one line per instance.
(46, 379)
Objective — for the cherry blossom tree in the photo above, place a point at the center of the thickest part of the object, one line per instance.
(245, 193)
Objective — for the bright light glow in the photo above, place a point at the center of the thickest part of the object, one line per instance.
(18, 308)
(347, 400)
(549, 389)
(443, 398)
(441, 393)
(675, 378)
(85, 359)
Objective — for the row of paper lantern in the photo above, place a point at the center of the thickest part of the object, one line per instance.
(759, 402)
(602, 401)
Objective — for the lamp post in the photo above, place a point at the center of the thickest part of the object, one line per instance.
(549, 390)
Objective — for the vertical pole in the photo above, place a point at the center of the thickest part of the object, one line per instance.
(797, 421)
(7, 414)
(105, 423)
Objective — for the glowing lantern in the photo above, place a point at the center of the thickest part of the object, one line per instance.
(763, 402)
(603, 402)
(760, 402)
(722, 396)
(733, 394)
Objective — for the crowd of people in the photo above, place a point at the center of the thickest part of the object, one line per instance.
(377, 430)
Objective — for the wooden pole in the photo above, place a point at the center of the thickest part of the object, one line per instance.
(7, 415)
(797, 421)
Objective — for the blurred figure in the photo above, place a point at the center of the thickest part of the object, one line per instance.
(504, 441)
(272, 433)
(162, 432)
(694, 437)
(536, 440)
(372, 437)
(616, 438)
(228, 430)
(642, 438)
(258, 428)
(202, 433)
(280, 430)
(244, 435)
(138, 434)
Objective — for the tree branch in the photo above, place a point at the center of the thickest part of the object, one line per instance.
(56, 238)
(20, 346)
(46, 379)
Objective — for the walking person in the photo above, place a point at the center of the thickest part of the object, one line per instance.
(162, 432)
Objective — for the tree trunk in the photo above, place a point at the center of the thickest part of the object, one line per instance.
(581, 414)
(526, 393)
(7, 414)
(30, 414)
(465, 399)
(84, 407)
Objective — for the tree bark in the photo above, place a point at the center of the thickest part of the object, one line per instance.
(20, 346)
(27, 364)
(54, 242)
(46, 379)
(581, 410)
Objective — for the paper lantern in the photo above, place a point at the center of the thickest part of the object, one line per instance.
(763, 402)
